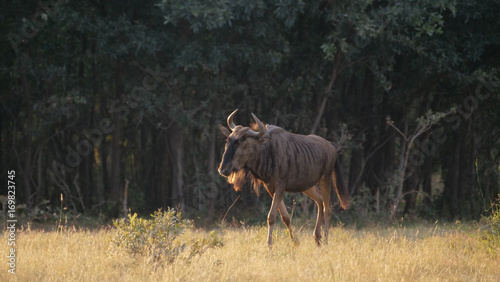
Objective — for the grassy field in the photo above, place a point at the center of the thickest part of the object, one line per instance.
(420, 253)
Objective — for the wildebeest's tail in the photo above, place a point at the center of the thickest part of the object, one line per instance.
(340, 186)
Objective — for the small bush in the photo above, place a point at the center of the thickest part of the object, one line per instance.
(159, 237)
(200, 246)
(490, 228)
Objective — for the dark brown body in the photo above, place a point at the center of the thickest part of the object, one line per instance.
(284, 161)
(298, 161)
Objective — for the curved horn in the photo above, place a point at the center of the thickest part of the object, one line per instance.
(230, 121)
(262, 128)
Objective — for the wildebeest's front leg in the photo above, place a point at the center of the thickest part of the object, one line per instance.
(271, 217)
(286, 220)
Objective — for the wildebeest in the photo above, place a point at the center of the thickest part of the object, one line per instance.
(282, 161)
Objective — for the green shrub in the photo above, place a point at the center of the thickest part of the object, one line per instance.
(490, 227)
(159, 238)
(200, 246)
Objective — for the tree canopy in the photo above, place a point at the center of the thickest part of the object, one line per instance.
(106, 100)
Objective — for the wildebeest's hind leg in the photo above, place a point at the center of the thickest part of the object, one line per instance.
(286, 220)
(325, 184)
(315, 194)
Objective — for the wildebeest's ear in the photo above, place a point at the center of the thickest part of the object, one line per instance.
(224, 130)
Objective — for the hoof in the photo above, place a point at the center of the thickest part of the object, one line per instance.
(269, 245)
(318, 240)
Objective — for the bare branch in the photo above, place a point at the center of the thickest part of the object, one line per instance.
(391, 123)
(343, 137)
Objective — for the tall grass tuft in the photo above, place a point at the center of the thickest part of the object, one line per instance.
(60, 227)
(489, 232)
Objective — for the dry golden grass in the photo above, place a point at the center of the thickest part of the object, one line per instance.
(423, 253)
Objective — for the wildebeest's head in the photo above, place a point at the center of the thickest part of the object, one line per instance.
(242, 146)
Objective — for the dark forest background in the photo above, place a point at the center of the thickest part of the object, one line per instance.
(110, 100)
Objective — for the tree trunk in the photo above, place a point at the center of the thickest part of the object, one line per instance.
(355, 170)
(86, 181)
(411, 186)
(466, 184)
(27, 150)
(451, 193)
(3, 162)
(473, 185)
(115, 177)
(176, 142)
(150, 166)
(427, 184)
(333, 77)
(104, 155)
(212, 188)
(40, 187)
(211, 152)
(115, 188)
(397, 185)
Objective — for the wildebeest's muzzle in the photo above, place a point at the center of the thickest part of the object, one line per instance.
(225, 167)
(224, 171)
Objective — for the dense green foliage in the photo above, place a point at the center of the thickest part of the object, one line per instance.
(107, 100)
